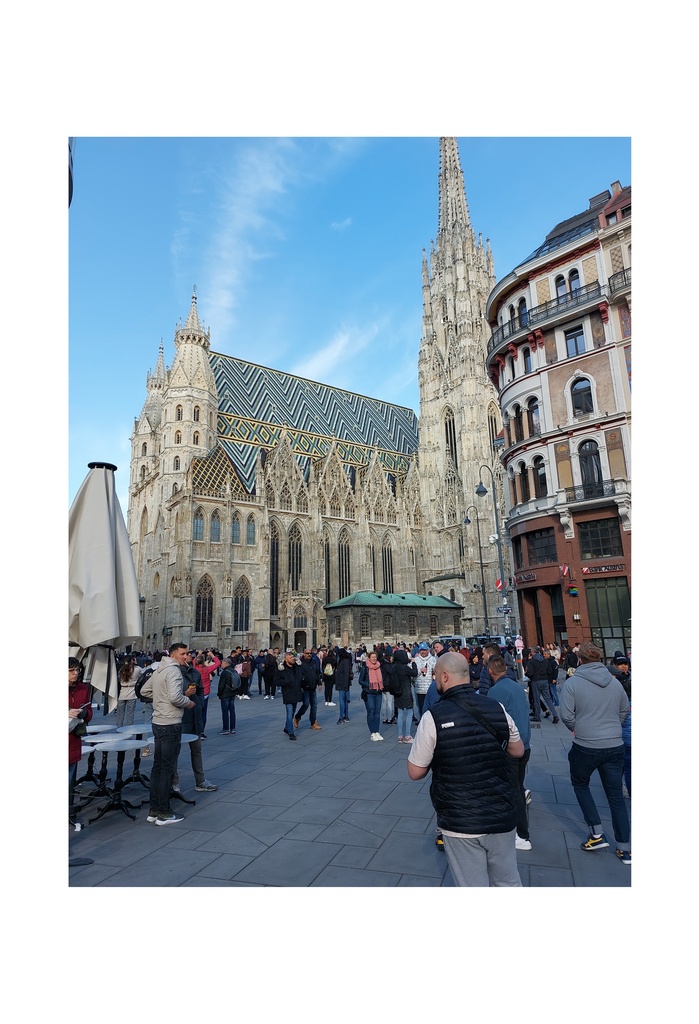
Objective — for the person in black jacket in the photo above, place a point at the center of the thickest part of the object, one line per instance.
(310, 673)
(402, 672)
(228, 688)
(290, 679)
(465, 740)
(343, 681)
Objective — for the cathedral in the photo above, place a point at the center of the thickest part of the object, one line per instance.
(266, 509)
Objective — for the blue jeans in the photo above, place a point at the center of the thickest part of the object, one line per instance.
(553, 694)
(541, 693)
(228, 713)
(405, 721)
(609, 763)
(290, 712)
(373, 710)
(627, 768)
(343, 703)
(310, 700)
(168, 739)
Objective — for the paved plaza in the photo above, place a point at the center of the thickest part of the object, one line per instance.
(332, 809)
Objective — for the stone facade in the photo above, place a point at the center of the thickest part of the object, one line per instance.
(257, 498)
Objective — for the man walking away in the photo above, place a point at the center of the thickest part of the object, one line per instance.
(594, 706)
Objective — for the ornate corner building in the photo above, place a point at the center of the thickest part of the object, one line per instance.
(560, 358)
(265, 509)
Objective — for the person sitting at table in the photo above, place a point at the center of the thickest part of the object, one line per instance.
(79, 706)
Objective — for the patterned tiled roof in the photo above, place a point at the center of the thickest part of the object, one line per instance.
(256, 404)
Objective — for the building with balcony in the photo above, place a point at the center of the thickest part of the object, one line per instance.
(560, 358)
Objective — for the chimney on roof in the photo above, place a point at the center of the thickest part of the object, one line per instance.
(615, 187)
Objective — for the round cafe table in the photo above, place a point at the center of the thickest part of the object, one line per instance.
(96, 733)
(139, 732)
(116, 802)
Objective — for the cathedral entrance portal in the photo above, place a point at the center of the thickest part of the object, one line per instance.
(299, 639)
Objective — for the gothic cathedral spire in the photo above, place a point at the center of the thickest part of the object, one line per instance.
(459, 411)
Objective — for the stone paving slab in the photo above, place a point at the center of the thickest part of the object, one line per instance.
(331, 810)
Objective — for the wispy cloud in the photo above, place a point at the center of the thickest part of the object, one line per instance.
(337, 356)
(341, 225)
(235, 215)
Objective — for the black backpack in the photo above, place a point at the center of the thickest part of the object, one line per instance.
(142, 678)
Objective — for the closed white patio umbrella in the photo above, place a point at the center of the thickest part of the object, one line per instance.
(103, 604)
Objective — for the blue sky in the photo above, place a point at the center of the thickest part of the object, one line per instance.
(306, 254)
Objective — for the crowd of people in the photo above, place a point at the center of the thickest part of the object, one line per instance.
(473, 709)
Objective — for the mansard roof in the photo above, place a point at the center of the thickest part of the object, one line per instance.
(257, 403)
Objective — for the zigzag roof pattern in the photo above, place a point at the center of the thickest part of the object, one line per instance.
(257, 403)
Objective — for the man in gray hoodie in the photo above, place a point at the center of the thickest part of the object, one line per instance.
(594, 706)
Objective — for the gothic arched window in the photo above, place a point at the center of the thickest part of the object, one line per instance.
(301, 501)
(196, 413)
(285, 498)
(326, 564)
(143, 472)
(295, 556)
(204, 612)
(273, 569)
(195, 439)
(178, 437)
(198, 525)
(178, 412)
(450, 437)
(215, 531)
(176, 463)
(144, 448)
(334, 505)
(250, 530)
(344, 558)
(241, 606)
(235, 528)
(387, 566)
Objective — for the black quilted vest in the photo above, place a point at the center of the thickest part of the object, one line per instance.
(471, 788)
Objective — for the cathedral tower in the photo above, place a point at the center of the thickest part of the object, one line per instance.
(459, 410)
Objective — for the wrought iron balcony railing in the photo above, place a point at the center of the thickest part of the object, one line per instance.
(620, 280)
(546, 311)
(588, 492)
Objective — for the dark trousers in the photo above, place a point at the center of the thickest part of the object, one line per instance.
(310, 700)
(609, 763)
(518, 769)
(328, 682)
(270, 688)
(168, 739)
(541, 694)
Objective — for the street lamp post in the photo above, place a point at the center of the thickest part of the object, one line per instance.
(467, 522)
(481, 491)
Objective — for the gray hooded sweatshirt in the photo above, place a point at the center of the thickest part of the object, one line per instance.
(594, 706)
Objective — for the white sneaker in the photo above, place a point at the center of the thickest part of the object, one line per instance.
(332, 704)
(266, 698)
(378, 736)
(271, 698)
(374, 737)
(527, 796)
(522, 844)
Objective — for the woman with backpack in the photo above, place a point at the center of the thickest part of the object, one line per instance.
(329, 666)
